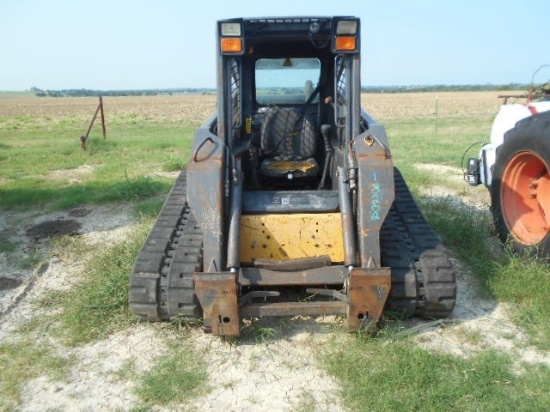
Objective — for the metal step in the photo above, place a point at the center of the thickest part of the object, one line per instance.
(328, 275)
(294, 309)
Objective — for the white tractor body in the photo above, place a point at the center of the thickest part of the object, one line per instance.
(506, 119)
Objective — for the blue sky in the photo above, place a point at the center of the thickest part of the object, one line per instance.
(110, 44)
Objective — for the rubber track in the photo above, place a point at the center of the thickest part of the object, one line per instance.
(161, 284)
(423, 277)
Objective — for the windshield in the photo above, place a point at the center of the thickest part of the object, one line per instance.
(290, 80)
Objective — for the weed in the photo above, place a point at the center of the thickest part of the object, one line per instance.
(177, 377)
(508, 277)
(173, 164)
(184, 325)
(461, 227)
(131, 189)
(473, 337)
(264, 334)
(382, 375)
(306, 402)
(23, 361)
(32, 260)
(149, 208)
(257, 330)
(6, 245)
(36, 323)
(98, 145)
(126, 371)
(67, 247)
(521, 282)
(98, 305)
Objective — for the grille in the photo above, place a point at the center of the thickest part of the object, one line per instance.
(341, 111)
(235, 73)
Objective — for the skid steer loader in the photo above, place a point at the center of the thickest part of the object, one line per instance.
(291, 204)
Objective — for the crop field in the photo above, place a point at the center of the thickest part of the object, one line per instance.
(196, 108)
(73, 221)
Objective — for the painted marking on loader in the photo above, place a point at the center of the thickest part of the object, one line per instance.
(375, 191)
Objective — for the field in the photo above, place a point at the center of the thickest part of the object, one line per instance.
(72, 222)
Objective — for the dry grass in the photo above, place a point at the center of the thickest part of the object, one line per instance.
(185, 108)
(196, 108)
(405, 106)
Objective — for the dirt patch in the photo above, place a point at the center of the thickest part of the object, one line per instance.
(9, 283)
(448, 175)
(161, 173)
(54, 228)
(96, 383)
(79, 212)
(432, 167)
(71, 176)
(479, 323)
(280, 374)
(453, 187)
(30, 234)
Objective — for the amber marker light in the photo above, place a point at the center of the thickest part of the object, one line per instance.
(346, 43)
(232, 44)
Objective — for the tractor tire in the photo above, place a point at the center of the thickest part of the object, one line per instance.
(520, 189)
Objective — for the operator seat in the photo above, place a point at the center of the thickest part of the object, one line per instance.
(288, 140)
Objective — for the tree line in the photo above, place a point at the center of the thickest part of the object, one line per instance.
(445, 88)
(204, 90)
(137, 92)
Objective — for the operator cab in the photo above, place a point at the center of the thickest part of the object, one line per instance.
(287, 116)
(290, 90)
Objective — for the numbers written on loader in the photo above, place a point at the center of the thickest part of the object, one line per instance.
(375, 203)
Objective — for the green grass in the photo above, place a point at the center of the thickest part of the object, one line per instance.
(98, 304)
(416, 140)
(27, 193)
(524, 283)
(396, 375)
(23, 361)
(118, 167)
(149, 208)
(176, 378)
(461, 227)
(519, 281)
(7, 246)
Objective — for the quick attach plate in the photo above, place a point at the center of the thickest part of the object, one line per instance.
(368, 291)
(217, 294)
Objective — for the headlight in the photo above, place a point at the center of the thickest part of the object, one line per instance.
(231, 29)
(346, 27)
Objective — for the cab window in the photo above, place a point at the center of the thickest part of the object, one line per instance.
(286, 81)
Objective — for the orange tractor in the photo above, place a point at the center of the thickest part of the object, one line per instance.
(515, 167)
